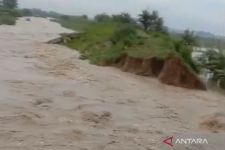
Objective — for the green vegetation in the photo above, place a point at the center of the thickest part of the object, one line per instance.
(10, 4)
(201, 40)
(8, 14)
(214, 61)
(95, 40)
(106, 38)
(151, 21)
(189, 38)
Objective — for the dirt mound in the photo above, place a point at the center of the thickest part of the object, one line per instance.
(146, 67)
(176, 73)
(214, 123)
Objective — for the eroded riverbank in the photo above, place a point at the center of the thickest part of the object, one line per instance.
(50, 99)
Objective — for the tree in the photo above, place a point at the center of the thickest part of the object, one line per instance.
(159, 25)
(123, 17)
(126, 33)
(102, 17)
(154, 16)
(65, 17)
(144, 19)
(11, 4)
(189, 38)
(151, 21)
(85, 17)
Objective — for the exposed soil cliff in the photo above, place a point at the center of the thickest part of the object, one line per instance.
(146, 67)
(175, 72)
(171, 71)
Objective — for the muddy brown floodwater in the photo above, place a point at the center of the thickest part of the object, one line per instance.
(51, 100)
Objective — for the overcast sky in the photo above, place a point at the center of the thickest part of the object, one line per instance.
(207, 15)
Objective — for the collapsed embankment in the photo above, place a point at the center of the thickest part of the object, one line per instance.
(63, 38)
(171, 71)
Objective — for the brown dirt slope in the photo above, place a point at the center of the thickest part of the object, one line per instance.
(175, 72)
(146, 67)
(171, 71)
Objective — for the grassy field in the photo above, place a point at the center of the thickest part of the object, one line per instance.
(103, 42)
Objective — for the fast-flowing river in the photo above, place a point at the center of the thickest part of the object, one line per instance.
(52, 100)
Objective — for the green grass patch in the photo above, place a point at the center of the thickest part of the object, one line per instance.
(159, 45)
(95, 37)
(104, 42)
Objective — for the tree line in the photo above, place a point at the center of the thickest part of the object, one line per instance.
(150, 21)
(9, 4)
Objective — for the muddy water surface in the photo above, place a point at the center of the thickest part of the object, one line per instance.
(51, 100)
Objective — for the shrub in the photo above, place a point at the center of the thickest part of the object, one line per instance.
(106, 56)
(123, 18)
(185, 53)
(126, 34)
(102, 17)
